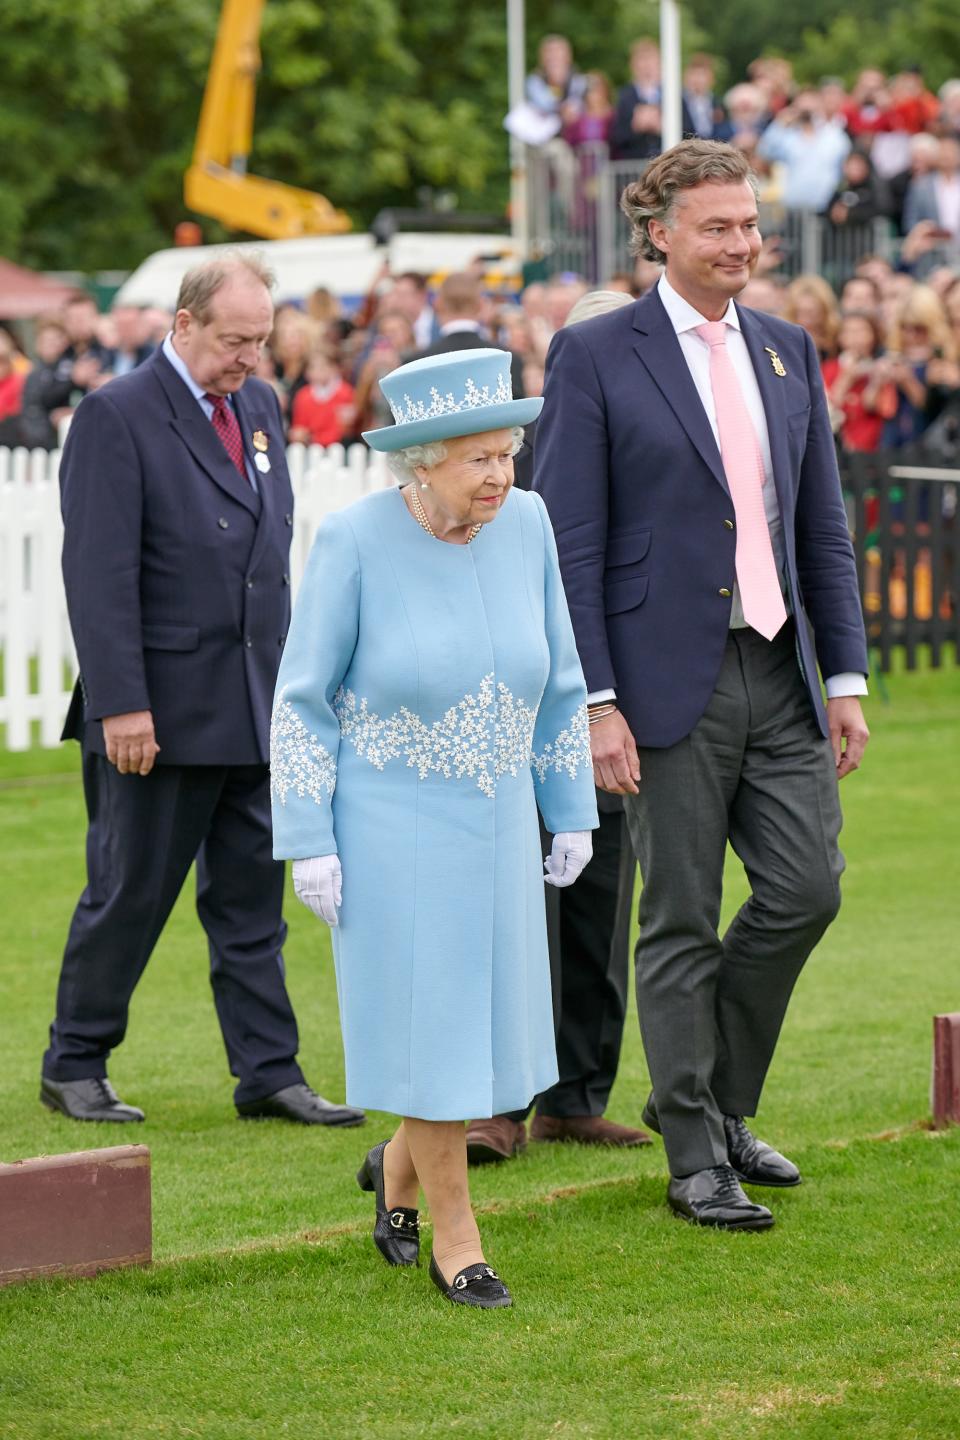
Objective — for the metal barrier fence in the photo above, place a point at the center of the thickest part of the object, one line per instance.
(576, 223)
(906, 533)
(903, 518)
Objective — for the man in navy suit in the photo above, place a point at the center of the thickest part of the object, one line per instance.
(685, 455)
(177, 513)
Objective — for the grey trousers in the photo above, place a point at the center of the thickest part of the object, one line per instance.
(756, 771)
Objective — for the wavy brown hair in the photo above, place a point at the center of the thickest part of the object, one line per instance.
(683, 167)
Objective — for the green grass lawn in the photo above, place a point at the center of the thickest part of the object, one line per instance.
(268, 1312)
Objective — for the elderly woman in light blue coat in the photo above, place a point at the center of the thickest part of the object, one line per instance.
(429, 699)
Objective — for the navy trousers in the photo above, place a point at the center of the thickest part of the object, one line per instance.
(588, 931)
(144, 832)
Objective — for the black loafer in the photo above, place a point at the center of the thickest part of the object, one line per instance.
(714, 1197)
(477, 1285)
(396, 1233)
(754, 1161)
(93, 1099)
(300, 1103)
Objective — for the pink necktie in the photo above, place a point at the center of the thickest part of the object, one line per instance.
(763, 607)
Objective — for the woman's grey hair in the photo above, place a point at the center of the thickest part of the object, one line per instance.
(684, 167)
(597, 302)
(405, 463)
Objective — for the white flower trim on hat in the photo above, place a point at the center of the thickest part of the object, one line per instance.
(475, 397)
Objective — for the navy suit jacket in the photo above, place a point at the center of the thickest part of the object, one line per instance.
(176, 571)
(628, 466)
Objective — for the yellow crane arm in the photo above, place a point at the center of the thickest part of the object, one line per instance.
(216, 184)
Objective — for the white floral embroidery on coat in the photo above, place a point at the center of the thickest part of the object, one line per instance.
(568, 752)
(475, 395)
(483, 736)
(298, 761)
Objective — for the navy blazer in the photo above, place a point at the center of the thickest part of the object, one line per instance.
(628, 466)
(176, 570)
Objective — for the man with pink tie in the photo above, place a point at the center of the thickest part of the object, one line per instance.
(685, 456)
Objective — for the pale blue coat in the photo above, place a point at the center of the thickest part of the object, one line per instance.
(429, 697)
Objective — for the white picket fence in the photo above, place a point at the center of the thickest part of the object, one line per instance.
(37, 657)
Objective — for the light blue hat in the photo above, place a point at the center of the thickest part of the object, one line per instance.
(464, 392)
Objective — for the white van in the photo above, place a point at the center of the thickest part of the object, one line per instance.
(346, 265)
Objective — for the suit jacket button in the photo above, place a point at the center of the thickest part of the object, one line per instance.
(285, 579)
(724, 592)
(223, 523)
(249, 584)
(728, 524)
(288, 519)
(249, 643)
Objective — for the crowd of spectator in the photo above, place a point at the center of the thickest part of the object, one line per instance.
(886, 148)
(889, 345)
(887, 329)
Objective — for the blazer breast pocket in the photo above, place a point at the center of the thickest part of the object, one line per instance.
(170, 637)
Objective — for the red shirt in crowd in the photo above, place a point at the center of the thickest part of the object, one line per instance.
(862, 428)
(321, 412)
(11, 394)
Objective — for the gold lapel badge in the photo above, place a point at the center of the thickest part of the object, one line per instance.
(775, 361)
(261, 459)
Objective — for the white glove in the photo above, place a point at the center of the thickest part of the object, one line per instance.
(317, 883)
(571, 851)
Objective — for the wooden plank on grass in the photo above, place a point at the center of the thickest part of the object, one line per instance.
(75, 1214)
(946, 1070)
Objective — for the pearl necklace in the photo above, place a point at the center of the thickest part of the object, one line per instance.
(420, 515)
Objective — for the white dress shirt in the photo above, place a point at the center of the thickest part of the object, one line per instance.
(947, 190)
(685, 319)
(423, 328)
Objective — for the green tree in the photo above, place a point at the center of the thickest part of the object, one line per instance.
(366, 101)
(927, 33)
(99, 104)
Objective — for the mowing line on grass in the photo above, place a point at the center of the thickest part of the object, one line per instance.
(353, 1229)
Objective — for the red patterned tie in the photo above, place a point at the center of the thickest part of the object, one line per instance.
(227, 426)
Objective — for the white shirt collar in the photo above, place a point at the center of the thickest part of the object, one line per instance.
(180, 365)
(460, 327)
(681, 313)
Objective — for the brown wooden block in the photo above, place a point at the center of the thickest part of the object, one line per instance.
(946, 1070)
(75, 1214)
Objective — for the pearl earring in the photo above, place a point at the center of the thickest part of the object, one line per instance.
(424, 484)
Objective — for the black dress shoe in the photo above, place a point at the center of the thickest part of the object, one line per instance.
(396, 1233)
(300, 1103)
(477, 1285)
(93, 1099)
(755, 1161)
(714, 1197)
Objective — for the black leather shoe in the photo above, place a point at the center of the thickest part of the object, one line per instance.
(300, 1103)
(477, 1285)
(714, 1197)
(396, 1233)
(93, 1099)
(754, 1161)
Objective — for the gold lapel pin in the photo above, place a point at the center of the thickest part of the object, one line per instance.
(259, 440)
(775, 361)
